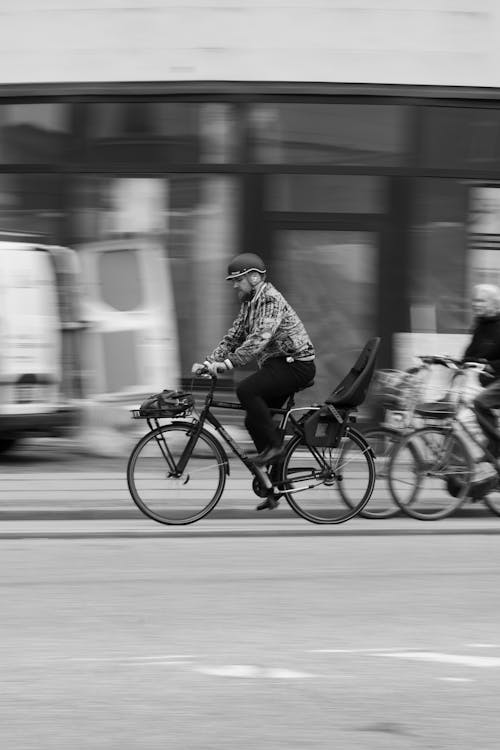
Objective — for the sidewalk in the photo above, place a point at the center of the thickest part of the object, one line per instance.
(101, 501)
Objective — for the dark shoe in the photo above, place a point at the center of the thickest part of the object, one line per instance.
(493, 447)
(270, 503)
(268, 455)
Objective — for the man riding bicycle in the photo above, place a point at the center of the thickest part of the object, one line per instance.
(268, 329)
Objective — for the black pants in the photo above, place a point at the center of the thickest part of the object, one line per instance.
(484, 402)
(268, 388)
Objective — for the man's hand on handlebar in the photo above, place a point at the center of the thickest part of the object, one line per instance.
(198, 369)
(478, 364)
(213, 369)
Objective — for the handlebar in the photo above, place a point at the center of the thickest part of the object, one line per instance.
(479, 365)
(202, 372)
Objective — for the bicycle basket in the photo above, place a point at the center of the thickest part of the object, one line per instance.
(396, 389)
(322, 430)
(165, 404)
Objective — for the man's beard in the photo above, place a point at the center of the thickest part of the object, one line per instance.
(245, 296)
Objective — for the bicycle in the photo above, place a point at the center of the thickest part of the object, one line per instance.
(177, 472)
(397, 392)
(433, 469)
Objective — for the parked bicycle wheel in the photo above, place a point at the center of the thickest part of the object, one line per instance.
(382, 441)
(157, 487)
(328, 485)
(430, 472)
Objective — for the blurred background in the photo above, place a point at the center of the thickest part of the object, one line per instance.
(369, 182)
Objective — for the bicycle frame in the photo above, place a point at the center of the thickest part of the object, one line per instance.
(459, 422)
(206, 415)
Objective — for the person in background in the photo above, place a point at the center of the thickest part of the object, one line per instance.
(485, 345)
(269, 330)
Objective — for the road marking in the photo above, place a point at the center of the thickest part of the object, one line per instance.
(349, 650)
(455, 679)
(160, 657)
(251, 671)
(483, 645)
(463, 659)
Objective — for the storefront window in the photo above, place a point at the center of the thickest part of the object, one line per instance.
(341, 134)
(438, 294)
(460, 137)
(357, 194)
(484, 235)
(31, 203)
(160, 132)
(331, 278)
(33, 133)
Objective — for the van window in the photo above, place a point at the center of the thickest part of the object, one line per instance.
(120, 279)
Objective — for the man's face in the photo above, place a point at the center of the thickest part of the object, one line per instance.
(243, 287)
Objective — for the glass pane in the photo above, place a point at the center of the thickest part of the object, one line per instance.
(152, 132)
(330, 278)
(349, 134)
(194, 217)
(326, 193)
(119, 273)
(31, 203)
(218, 133)
(455, 137)
(484, 236)
(33, 133)
(438, 257)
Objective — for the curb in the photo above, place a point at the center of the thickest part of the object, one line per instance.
(201, 532)
(120, 513)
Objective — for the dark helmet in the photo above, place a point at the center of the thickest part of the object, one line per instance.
(243, 263)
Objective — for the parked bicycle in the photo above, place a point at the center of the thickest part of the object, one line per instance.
(435, 468)
(177, 472)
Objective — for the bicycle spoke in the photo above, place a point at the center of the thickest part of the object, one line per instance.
(153, 478)
(334, 492)
(430, 473)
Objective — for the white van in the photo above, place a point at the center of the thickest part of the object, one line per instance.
(131, 345)
(33, 363)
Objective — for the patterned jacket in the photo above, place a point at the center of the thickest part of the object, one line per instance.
(266, 326)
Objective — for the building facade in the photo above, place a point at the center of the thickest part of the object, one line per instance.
(354, 145)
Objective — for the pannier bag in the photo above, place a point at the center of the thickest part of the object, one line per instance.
(322, 430)
(167, 404)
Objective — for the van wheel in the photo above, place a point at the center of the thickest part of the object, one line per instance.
(7, 443)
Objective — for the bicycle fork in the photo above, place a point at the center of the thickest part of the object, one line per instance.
(177, 470)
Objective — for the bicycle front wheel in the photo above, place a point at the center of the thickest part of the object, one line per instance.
(382, 441)
(328, 485)
(160, 491)
(430, 472)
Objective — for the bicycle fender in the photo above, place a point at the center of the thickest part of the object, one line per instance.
(367, 447)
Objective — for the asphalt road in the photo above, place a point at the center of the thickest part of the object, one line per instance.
(354, 642)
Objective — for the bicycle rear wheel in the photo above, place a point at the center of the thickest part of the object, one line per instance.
(430, 472)
(157, 488)
(328, 485)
